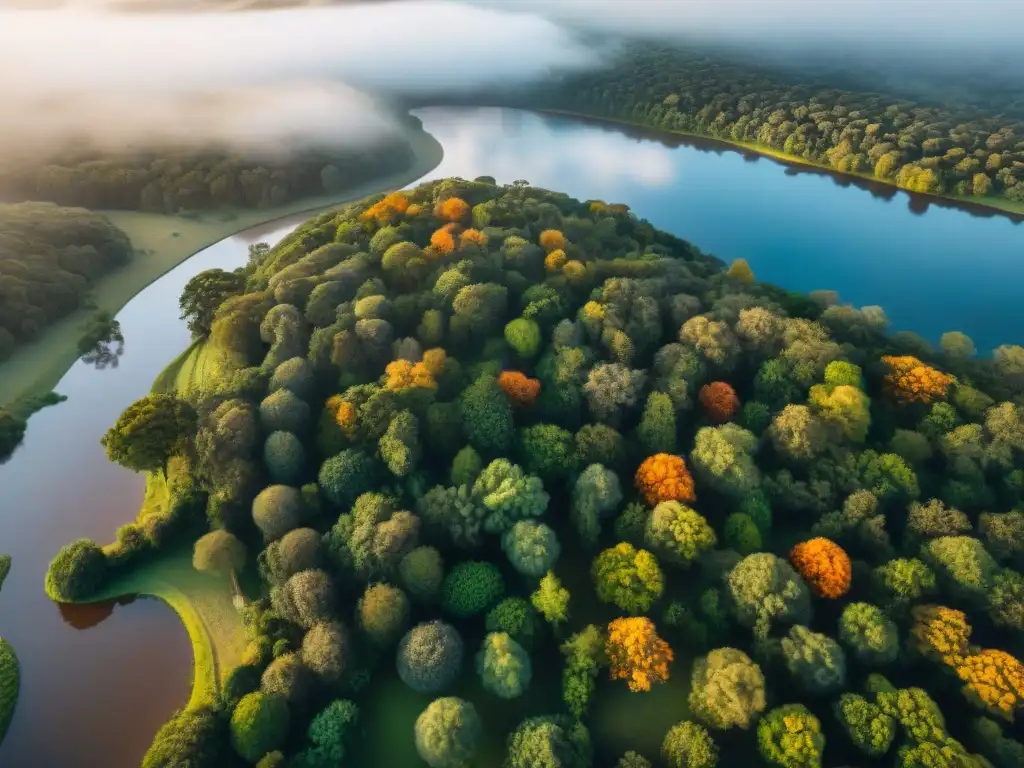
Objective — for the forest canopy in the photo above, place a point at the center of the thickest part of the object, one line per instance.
(553, 459)
(918, 147)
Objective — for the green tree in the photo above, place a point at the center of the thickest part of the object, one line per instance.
(628, 577)
(523, 336)
(487, 416)
(203, 295)
(448, 732)
(548, 451)
(689, 745)
(259, 725)
(504, 667)
(551, 599)
(149, 432)
(678, 534)
(657, 430)
(791, 737)
(549, 742)
(727, 689)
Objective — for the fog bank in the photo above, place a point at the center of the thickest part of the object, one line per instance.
(253, 78)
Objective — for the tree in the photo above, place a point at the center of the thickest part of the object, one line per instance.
(993, 680)
(740, 271)
(383, 613)
(346, 476)
(637, 654)
(678, 534)
(844, 408)
(400, 446)
(824, 565)
(284, 457)
(791, 737)
(723, 458)
(307, 598)
(548, 451)
(470, 588)
(203, 295)
(332, 732)
(503, 494)
(453, 209)
(197, 738)
(657, 430)
(288, 678)
(149, 432)
(430, 657)
(531, 547)
(585, 655)
(487, 416)
(871, 730)
(719, 401)
(549, 742)
(552, 240)
(219, 552)
(328, 651)
(871, 634)
(726, 689)
(911, 381)
(551, 599)
(797, 434)
(595, 496)
(523, 335)
(764, 588)
(627, 577)
(962, 563)
(517, 617)
(814, 659)
(664, 477)
(520, 390)
(901, 582)
(448, 732)
(612, 389)
(284, 411)
(277, 510)
(259, 725)
(504, 667)
(421, 572)
(689, 745)
(957, 345)
(940, 634)
(76, 572)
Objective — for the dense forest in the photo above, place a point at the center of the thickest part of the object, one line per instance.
(920, 148)
(50, 257)
(176, 180)
(495, 440)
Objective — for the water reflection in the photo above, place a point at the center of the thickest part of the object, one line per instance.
(934, 265)
(88, 615)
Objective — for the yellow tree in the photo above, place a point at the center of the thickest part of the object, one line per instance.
(940, 633)
(740, 271)
(637, 654)
(994, 680)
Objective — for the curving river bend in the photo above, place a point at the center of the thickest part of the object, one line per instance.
(97, 681)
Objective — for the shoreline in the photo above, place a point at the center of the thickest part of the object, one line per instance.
(163, 242)
(987, 206)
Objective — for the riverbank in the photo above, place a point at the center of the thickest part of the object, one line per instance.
(994, 204)
(161, 243)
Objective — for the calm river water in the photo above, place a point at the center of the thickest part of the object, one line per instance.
(98, 682)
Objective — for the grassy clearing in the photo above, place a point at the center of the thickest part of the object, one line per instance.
(161, 243)
(203, 602)
(198, 362)
(10, 681)
(994, 203)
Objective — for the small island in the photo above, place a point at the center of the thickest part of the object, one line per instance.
(481, 475)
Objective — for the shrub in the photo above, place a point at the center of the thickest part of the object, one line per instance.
(448, 732)
(430, 657)
(284, 457)
(471, 588)
(422, 573)
(689, 745)
(76, 572)
(504, 666)
(383, 613)
(259, 725)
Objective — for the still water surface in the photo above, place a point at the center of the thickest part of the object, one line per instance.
(98, 681)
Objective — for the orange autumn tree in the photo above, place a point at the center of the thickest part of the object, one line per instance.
(555, 260)
(993, 680)
(719, 401)
(443, 241)
(344, 414)
(940, 633)
(453, 209)
(637, 654)
(664, 477)
(911, 381)
(404, 374)
(414, 210)
(520, 390)
(824, 565)
(474, 236)
(552, 240)
(384, 210)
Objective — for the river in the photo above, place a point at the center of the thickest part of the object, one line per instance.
(97, 683)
